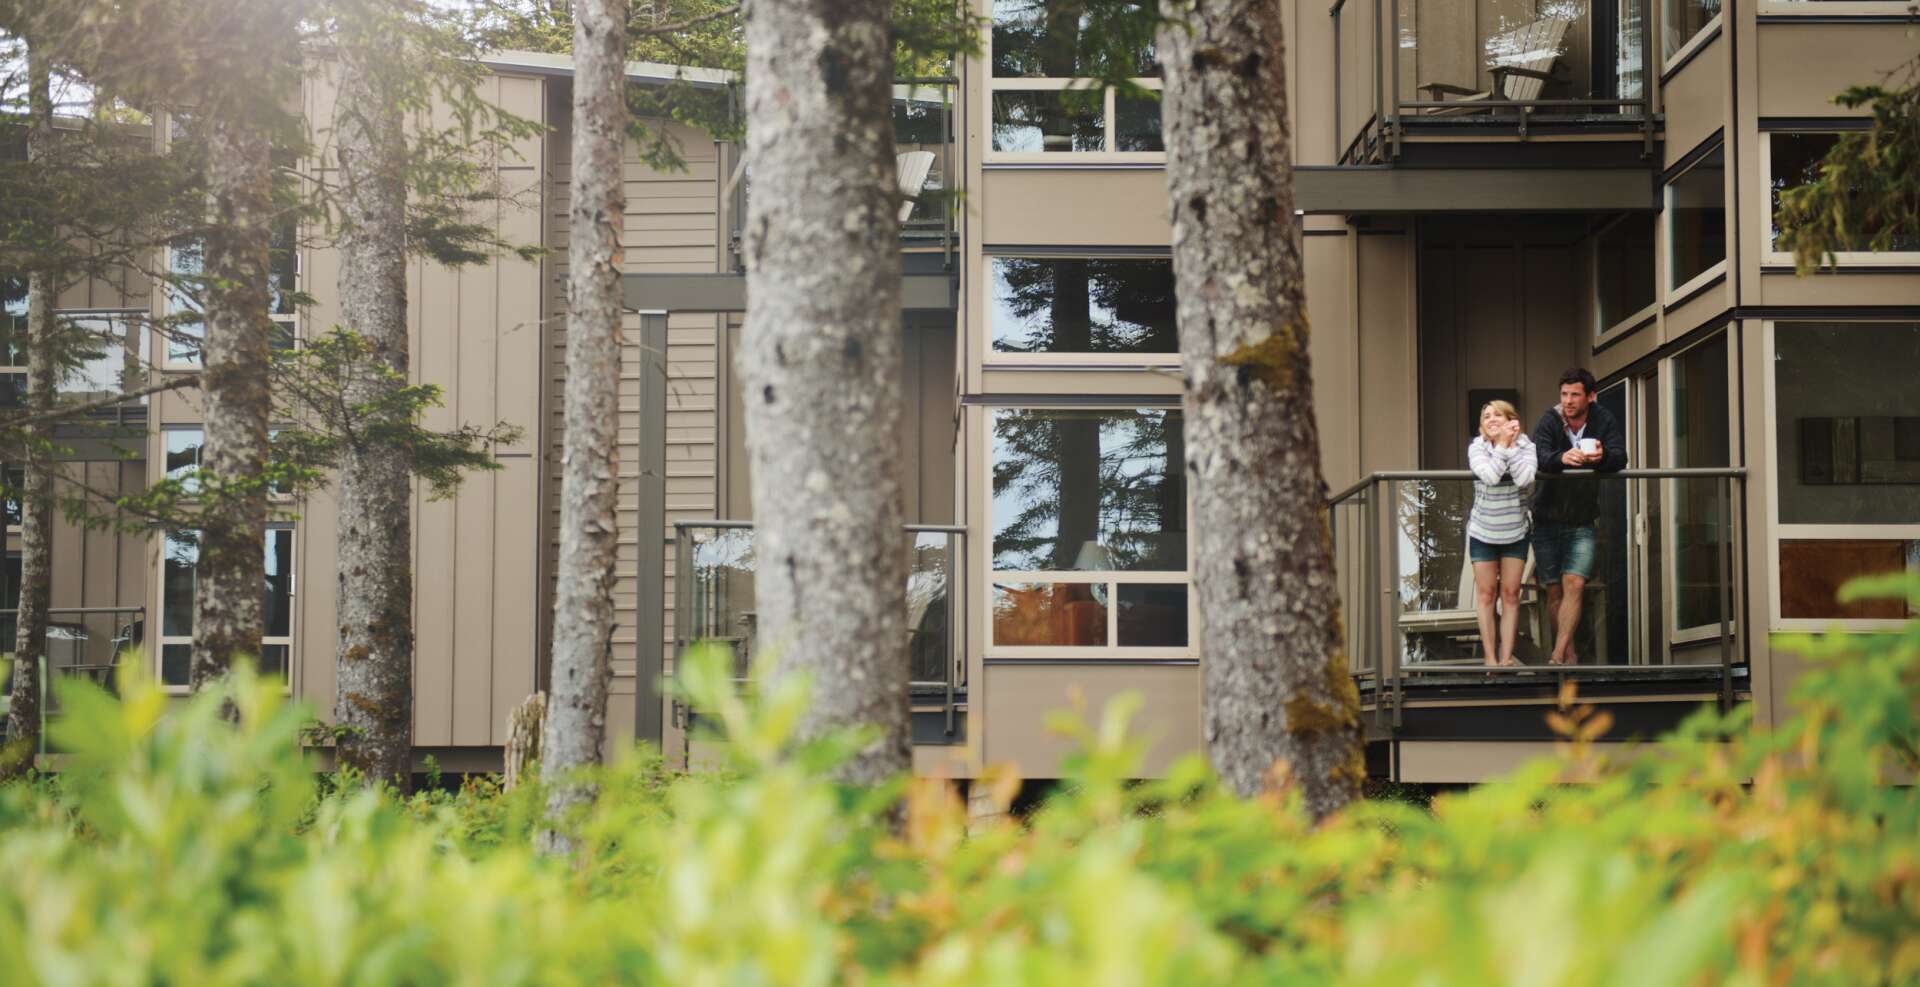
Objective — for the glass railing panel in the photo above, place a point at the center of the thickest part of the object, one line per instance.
(87, 644)
(714, 599)
(1659, 570)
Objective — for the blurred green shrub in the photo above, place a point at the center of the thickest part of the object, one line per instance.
(182, 849)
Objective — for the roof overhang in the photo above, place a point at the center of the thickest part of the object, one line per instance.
(1383, 189)
(728, 292)
(645, 73)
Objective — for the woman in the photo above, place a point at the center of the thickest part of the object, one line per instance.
(1501, 458)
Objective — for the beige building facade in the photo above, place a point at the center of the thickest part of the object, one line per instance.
(1491, 191)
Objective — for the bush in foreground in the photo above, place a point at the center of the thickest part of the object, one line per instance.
(180, 849)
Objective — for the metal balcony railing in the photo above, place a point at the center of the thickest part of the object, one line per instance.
(714, 573)
(1662, 601)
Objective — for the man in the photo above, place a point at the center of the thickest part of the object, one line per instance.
(1575, 434)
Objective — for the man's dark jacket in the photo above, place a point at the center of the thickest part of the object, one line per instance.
(1574, 500)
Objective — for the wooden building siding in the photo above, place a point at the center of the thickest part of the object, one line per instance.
(671, 226)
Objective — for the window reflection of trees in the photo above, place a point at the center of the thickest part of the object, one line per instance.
(1084, 305)
(1089, 489)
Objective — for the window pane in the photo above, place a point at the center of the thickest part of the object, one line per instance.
(1152, 615)
(110, 352)
(1083, 305)
(1072, 39)
(183, 456)
(188, 264)
(10, 602)
(1049, 120)
(1794, 160)
(279, 603)
(1683, 20)
(13, 390)
(1089, 490)
(273, 661)
(16, 479)
(1623, 269)
(13, 322)
(283, 264)
(1137, 124)
(180, 555)
(175, 662)
(1050, 614)
(1812, 572)
(1847, 422)
(1701, 438)
(1697, 218)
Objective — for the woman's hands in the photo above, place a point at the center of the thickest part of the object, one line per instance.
(1502, 432)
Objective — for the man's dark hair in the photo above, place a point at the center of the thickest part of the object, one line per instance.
(1579, 375)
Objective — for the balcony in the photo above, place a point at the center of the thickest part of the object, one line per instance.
(714, 603)
(1659, 611)
(1407, 69)
(82, 643)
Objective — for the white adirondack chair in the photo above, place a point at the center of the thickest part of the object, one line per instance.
(912, 169)
(1522, 62)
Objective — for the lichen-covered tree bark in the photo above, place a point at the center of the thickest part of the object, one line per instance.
(1276, 687)
(821, 365)
(36, 495)
(374, 608)
(583, 597)
(231, 575)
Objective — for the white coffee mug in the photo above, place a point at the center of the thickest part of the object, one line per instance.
(1590, 447)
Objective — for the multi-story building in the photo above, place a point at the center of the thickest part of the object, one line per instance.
(1488, 195)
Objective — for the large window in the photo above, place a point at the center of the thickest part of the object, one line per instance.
(182, 295)
(1681, 21)
(1847, 465)
(13, 342)
(1623, 272)
(1083, 306)
(1089, 523)
(1697, 221)
(181, 447)
(1793, 159)
(179, 575)
(1701, 437)
(1041, 47)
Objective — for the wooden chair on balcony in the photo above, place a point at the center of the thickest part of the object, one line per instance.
(911, 168)
(1524, 61)
(1462, 620)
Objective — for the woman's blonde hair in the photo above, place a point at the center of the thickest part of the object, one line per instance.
(1501, 408)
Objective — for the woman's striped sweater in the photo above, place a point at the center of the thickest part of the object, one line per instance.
(1501, 478)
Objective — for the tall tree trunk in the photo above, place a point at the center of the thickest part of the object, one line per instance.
(821, 365)
(36, 507)
(1276, 685)
(375, 603)
(231, 580)
(583, 599)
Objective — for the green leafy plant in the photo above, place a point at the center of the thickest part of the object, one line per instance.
(177, 846)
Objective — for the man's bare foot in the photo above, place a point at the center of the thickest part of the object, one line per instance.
(1566, 660)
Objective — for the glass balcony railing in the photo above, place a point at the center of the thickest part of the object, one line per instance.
(1408, 66)
(714, 602)
(1660, 598)
(87, 643)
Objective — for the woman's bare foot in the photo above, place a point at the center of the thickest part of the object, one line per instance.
(1509, 662)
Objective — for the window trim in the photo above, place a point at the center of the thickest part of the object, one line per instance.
(992, 359)
(1811, 8)
(161, 639)
(1778, 532)
(997, 84)
(991, 577)
(1679, 294)
(1769, 257)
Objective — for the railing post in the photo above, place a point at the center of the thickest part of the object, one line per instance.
(1723, 531)
(1390, 592)
(1393, 30)
(1370, 596)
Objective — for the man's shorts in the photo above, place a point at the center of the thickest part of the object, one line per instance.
(1562, 550)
